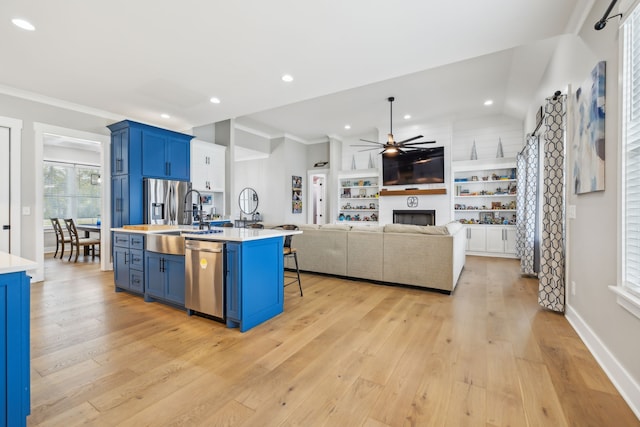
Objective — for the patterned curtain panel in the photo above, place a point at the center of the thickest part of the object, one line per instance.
(527, 232)
(551, 291)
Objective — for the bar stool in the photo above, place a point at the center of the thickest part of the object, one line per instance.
(290, 251)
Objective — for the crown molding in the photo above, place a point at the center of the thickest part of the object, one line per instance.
(252, 131)
(55, 102)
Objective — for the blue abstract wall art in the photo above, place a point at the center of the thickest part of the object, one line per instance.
(588, 136)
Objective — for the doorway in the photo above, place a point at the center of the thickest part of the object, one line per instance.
(317, 213)
(5, 192)
(10, 201)
(42, 132)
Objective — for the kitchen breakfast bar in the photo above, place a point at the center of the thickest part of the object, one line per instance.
(149, 260)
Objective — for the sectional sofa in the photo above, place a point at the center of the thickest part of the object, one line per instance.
(423, 256)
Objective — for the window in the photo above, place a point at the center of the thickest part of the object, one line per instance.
(71, 191)
(629, 289)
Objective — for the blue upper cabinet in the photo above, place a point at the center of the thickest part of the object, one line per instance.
(148, 151)
(166, 155)
(141, 151)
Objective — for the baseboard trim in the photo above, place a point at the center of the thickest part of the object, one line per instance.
(628, 388)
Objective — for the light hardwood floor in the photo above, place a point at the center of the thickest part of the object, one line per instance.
(348, 353)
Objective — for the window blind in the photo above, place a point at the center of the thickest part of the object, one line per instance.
(631, 154)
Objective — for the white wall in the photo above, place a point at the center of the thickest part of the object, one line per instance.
(612, 334)
(32, 112)
(271, 178)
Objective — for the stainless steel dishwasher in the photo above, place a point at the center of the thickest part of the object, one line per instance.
(205, 278)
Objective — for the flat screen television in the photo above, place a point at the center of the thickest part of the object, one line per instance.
(422, 166)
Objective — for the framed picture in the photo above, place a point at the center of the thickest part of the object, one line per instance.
(588, 144)
(296, 194)
(205, 199)
(496, 205)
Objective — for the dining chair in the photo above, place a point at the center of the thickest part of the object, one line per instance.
(61, 238)
(228, 225)
(80, 242)
(256, 225)
(290, 251)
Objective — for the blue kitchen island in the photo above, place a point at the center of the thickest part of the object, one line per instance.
(254, 270)
(15, 388)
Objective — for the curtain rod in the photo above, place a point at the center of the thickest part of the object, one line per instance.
(603, 21)
(540, 115)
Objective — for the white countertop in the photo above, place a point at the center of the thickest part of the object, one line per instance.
(11, 263)
(228, 234)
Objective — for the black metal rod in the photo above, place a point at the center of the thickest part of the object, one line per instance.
(603, 22)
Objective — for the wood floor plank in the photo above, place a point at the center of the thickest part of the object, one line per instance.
(347, 353)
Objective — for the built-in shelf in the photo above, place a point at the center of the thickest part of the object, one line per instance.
(416, 192)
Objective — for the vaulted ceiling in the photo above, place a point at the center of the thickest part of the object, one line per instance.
(140, 59)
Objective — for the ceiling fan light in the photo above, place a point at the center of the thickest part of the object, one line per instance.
(391, 150)
(390, 138)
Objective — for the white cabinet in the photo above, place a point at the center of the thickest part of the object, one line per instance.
(476, 238)
(485, 191)
(207, 166)
(491, 240)
(358, 197)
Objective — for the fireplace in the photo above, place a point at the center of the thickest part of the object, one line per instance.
(415, 217)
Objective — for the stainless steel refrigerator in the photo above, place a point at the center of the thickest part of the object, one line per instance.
(164, 202)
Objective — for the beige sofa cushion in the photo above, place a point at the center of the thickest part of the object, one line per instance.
(321, 250)
(343, 227)
(416, 229)
(365, 252)
(419, 260)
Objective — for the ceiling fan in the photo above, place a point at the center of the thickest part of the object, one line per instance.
(392, 147)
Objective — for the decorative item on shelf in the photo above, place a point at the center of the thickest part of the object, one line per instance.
(500, 153)
(474, 178)
(474, 152)
(374, 217)
(341, 217)
(485, 178)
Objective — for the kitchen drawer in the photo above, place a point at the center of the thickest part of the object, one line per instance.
(136, 281)
(137, 259)
(136, 241)
(121, 240)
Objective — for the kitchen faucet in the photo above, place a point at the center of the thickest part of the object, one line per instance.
(201, 224)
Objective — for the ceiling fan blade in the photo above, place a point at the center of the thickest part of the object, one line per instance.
(419, 143)
(366, 140)
(362, 145)
(369, 149)
(410, 139)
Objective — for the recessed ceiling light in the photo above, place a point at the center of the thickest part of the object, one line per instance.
(347, 127)
(488, 102)
(25, 25)
(407, 116)
(215, 100)
(165, 116)
(287, 78)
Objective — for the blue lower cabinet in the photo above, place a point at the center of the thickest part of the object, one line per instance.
(255, 282)
(128, 262)
(164, 277)
(15, 388)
